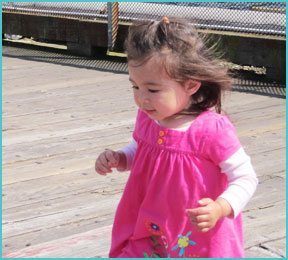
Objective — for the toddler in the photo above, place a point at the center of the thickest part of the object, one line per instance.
(190, 177)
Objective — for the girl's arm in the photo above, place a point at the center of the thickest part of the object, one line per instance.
(121, 160)
(129, 152)
(110, 159)
(242, 182)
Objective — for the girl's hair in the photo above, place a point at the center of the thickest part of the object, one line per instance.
(184, 57)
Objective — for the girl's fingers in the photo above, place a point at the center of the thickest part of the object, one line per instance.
(102, 170)
(193, 220)
(202, 225)
(112, 158)
(102, 164)
(197, 211)
(205, 230)
(205, 201)
(202, 218)
(102, 159)
(196, 220)
(105, 161)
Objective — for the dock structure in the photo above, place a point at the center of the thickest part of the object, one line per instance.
(245, 30)
(58, 118)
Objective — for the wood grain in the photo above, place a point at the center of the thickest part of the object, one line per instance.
(57, 119)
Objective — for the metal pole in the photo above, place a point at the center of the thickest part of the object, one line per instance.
(113, 18)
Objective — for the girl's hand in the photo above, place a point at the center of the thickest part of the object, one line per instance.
(109, 159)
(206, 216)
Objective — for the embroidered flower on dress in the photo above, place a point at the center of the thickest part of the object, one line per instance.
(153, 228)
(183, 242)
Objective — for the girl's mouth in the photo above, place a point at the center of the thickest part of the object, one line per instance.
(149, 111)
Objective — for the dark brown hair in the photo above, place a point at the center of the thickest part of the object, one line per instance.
(184, 57)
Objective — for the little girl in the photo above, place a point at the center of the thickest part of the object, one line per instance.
(190, 177)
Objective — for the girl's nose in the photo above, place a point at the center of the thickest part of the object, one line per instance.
(145, 100)
(142, 97)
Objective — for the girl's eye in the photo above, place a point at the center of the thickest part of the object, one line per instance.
(153, 90)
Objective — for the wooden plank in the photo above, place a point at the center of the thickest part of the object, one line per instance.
(278, 246)
(255, 252)
(263, 226)
(56, 123)
(264, 216)
(93, 243)
(46, 235)
(76, 127)
(42, 192)
(66, 214)
(50, 79)
(52, 146)
(24, 171)
(276, 187)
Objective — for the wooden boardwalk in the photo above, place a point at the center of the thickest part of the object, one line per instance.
(57, 119)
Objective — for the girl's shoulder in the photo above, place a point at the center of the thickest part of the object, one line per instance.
(211, 123)
(220, 137)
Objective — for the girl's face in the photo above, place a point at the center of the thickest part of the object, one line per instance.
(158, 95)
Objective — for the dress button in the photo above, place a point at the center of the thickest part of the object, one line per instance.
(161, 133)
(160, 141)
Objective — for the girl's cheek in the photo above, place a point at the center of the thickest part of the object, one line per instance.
(136, 100)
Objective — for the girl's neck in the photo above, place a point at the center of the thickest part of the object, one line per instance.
(177, 121)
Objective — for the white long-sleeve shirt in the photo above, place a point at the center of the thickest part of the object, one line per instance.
(241, 177)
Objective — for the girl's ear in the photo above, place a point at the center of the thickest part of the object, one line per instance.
(192, 86)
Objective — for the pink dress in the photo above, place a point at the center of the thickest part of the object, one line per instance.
(171, 171)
